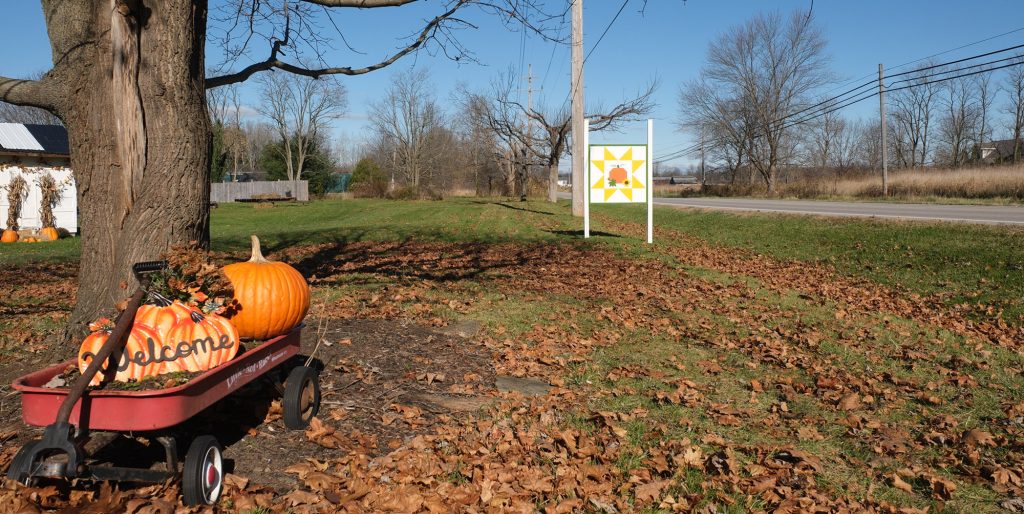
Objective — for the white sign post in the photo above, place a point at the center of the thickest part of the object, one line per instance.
(620, 174)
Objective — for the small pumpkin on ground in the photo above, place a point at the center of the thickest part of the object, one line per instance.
(140, 340)
(9, 236)
(272, 297)
(49, 234)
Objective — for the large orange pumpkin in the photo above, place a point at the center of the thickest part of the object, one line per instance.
(9, 236)
(273, 297)
(162, 316)
(199, 344)
(135, 362)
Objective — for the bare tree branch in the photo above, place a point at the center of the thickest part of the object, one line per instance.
(362, 4)
(34, 93)
(274, 62)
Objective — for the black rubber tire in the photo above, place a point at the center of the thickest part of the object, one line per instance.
(18, 471)
(202, 480)
(301, 399)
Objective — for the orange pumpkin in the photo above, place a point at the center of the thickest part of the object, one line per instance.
(135, 362)
(618, 174)
(49, 234)
(162, 316)
(273, 297)
(198, 345)
(9, 236)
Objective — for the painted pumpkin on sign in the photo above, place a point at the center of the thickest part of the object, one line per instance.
(197, 344)
(135, 362)
(273, 297)
(619, 175)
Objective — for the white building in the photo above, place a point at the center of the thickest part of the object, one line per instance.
(33, 151)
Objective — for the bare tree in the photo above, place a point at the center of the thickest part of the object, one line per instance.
(822, 137)
(960, 116)
(301, 110)
(1014, 86)
(987, 95)
(128, 81)
(757, 74)
(912, 111)
(509, 119)
(404, 120)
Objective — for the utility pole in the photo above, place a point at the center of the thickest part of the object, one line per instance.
(579, 152)
(884, 135)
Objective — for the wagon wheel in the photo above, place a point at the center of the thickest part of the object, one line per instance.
(301, 397)
(203, 476)
(19, 470)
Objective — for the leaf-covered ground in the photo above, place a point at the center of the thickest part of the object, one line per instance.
(692, 376)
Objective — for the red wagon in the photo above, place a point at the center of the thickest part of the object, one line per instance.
(74, 417)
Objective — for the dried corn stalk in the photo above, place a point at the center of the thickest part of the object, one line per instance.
(17, 192)
(50, 193)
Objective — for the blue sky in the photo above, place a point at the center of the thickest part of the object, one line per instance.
(668, 40)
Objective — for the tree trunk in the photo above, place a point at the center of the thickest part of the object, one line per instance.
(145, 187)
(553, 181)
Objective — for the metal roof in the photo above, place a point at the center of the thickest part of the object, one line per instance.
(53, 138)
(49, 139)
(14, 136)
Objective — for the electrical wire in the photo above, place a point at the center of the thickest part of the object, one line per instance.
(861, 96)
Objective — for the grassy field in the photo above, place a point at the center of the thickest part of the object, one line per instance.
(742, 363)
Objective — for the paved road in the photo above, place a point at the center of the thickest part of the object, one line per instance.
(982, 214)
(985, 214)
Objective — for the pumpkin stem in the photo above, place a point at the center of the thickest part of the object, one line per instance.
(159, 300)
(257, 255)
(196, 316)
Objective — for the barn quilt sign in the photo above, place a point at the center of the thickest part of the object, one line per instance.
(618, 174)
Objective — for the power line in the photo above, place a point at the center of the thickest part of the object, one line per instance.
(838, 102)
(606, 29)
(958, 48)
(860, 98)
(958, 61)
(605, 32)
(961, 47)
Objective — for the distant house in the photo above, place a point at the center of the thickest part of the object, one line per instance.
(33, 151)
(994, 152)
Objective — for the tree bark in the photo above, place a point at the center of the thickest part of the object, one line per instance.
(141, 163)
(553, 181)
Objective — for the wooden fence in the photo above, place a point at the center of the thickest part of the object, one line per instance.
(231, 191)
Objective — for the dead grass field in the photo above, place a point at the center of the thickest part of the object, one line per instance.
(987, 184)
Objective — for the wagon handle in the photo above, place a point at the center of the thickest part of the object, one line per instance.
(60, 435)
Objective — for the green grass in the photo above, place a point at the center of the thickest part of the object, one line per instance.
(973, 263)
(927, 258)
(480, 220)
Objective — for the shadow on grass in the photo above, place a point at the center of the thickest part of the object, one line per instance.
(579, 233)
(514, 208)
(411, 259)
